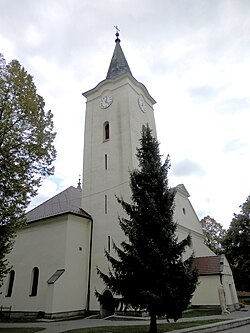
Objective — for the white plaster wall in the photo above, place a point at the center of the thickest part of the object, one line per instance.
(41, 245)
(188, 222)
(50, 245)
(189, 219)
(229, 285)
(197, 243)
(70, 290)
(226, 267)
(207, 291)
(125, 120)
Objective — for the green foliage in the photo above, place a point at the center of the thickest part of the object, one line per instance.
(149, 272)
(26, 150)
(237, 247)
(214, 234)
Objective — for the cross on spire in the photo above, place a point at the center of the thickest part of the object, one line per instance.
(117, 33)
(117, 29)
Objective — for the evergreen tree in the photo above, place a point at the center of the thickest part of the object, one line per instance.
(149, 272)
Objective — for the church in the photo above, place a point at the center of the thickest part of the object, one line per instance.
(55, 255)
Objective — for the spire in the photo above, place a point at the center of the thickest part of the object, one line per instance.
(118, 64)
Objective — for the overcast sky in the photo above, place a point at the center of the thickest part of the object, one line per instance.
(192, 55)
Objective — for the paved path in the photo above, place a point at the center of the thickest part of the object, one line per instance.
(234, 319)
(242, 329)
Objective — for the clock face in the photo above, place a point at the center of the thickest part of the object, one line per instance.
(106, 101)
(141, 104)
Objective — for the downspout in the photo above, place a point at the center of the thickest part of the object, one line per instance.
(90, 262)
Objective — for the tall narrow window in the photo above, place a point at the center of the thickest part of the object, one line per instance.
(11, 283)
(109, 241)
(106, 204)
(34, 281)
(106, 161)
(106, 130)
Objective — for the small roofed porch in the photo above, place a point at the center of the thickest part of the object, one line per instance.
(215, 279)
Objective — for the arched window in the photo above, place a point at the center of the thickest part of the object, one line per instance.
(11, 283)
(106, 131)
(34, 281)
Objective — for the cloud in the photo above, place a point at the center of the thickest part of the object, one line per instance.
(205, 92)
(235, 145)
(233, 105)
(193, 57)
(187, 167)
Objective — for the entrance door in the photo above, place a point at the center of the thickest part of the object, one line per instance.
(107, 304)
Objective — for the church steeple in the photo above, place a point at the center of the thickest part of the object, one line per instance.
(118, 64)
(116, 109)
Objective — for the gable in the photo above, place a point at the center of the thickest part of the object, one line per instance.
(184, 213)
(182, 189)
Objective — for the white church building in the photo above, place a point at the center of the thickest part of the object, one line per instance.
(55, 255)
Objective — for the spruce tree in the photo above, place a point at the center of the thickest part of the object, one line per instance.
(149, 272)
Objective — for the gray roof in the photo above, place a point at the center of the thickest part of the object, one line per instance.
(118, 64)
(66, 202)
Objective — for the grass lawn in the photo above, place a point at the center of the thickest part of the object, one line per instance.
(201, 312)
(141, 328)
(166, 327)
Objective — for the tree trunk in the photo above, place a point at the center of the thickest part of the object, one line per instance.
(153, 323)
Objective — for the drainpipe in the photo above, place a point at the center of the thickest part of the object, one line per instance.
(90, 262)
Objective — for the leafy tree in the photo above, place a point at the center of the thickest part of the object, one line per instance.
(237, 247)
(214, 234)
(148, 272)
(26, 150)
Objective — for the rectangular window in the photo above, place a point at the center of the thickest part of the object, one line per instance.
(106, 204)
(108, 245)
(55, 276)
(106, 161)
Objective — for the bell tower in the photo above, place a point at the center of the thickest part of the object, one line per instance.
(116, 109)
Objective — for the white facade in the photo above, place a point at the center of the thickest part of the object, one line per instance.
(188, 222)
(52, 244)
(107, 161)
